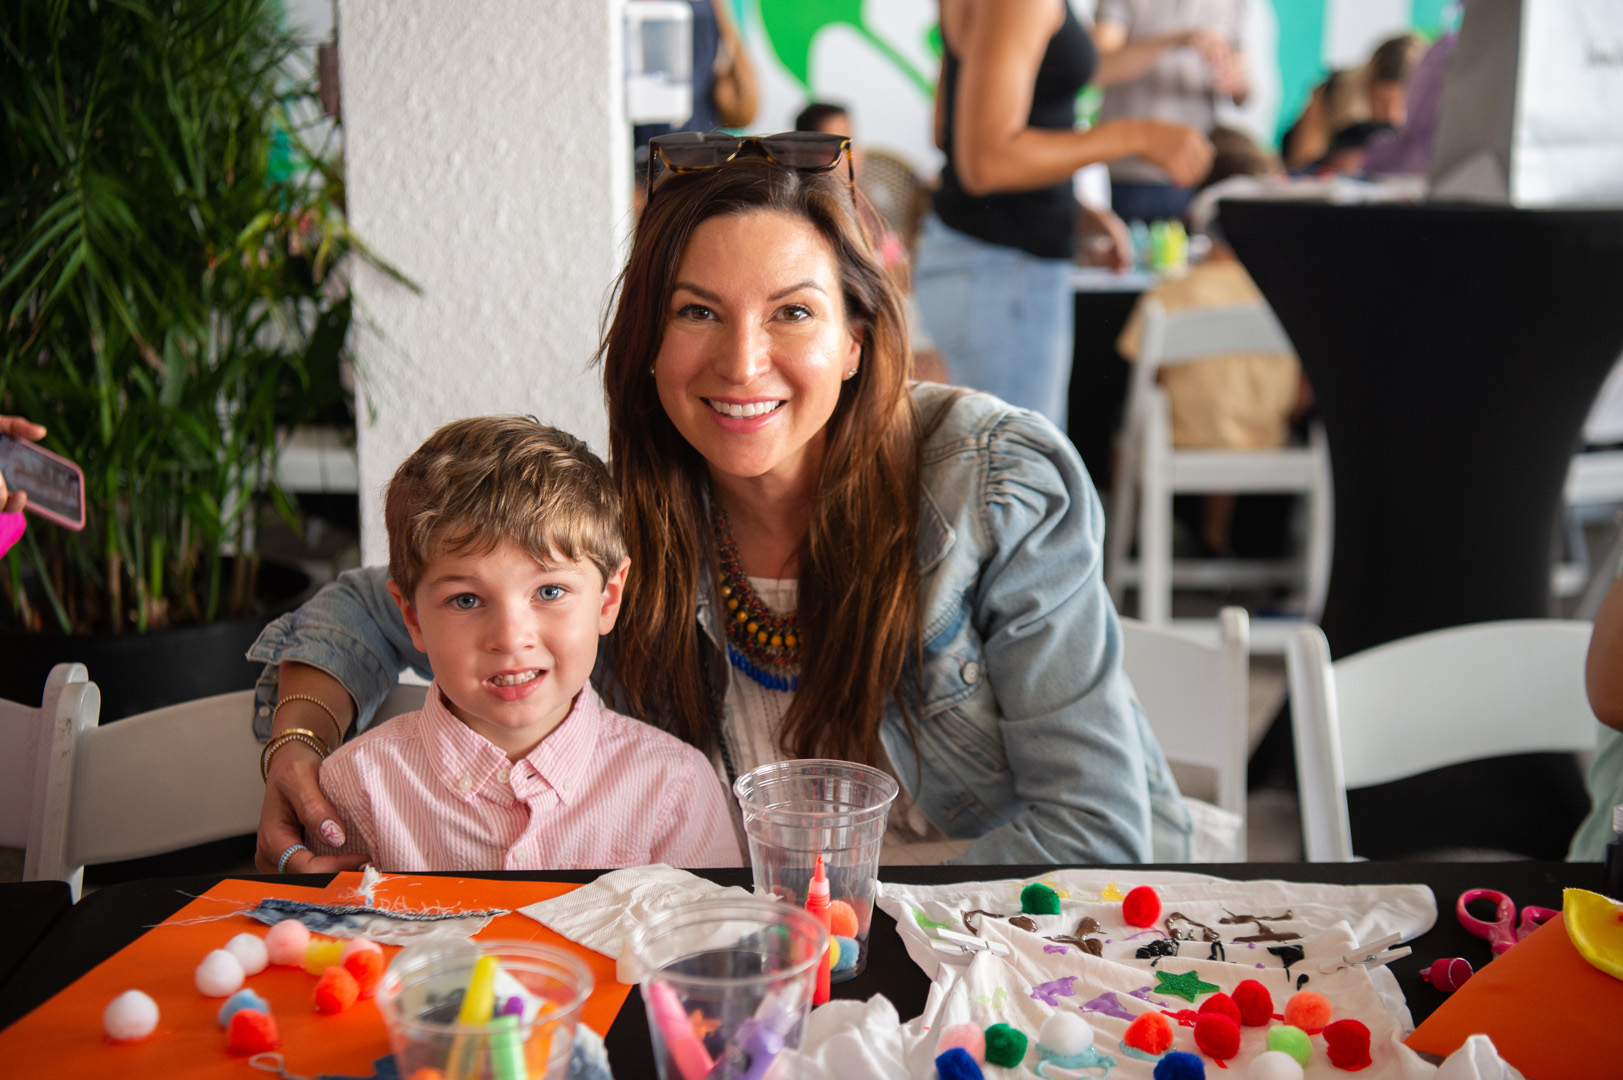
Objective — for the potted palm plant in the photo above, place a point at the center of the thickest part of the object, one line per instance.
(170, 236)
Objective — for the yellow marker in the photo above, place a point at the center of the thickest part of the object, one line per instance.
(478, 1002)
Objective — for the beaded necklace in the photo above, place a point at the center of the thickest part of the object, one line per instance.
(760, 642)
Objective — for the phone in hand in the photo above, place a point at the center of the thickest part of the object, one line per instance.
(55, 485)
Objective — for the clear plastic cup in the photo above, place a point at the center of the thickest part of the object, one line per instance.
(421, 994)
(728, 984)
(795, 811)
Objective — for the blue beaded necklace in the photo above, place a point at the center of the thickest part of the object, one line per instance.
(760, 642)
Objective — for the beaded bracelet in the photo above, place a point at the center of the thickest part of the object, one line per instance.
(298, 734)
(314, 701)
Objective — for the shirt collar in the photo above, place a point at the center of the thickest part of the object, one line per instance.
(463, 760)
(564, 757)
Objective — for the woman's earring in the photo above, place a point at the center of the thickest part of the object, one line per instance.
(851, 373)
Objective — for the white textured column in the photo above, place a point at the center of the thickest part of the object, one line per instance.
(488, 158)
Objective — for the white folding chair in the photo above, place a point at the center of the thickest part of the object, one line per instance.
(1149, 472)
(1196, 697)
(36, 771)
(1423, 702)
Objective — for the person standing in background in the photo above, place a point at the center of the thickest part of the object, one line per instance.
(724, 90)
(1171, 60)
(992, 278)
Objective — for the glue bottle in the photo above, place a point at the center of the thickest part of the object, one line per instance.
(818, 904)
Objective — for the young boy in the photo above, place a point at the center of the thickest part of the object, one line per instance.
(507, 562)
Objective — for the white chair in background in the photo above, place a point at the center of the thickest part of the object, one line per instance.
(1149, 472)
(1196, 697)
(1423, 702)
(36, 771)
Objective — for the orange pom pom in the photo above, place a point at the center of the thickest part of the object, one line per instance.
(252, 1032)
(367, 967)
(1141, 907)
(336, 990)
(843, 918)
(1150, 1033)
(427, 1072)
(1308, 1011)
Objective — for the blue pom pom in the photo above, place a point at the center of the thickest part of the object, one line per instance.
(956, 1064)
(1177, 1065)
(850, 952)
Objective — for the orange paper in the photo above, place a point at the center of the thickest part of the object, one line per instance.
(63, 1037)
(1548, 1011)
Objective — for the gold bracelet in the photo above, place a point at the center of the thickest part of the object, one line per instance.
(339, 728)
(298, 734)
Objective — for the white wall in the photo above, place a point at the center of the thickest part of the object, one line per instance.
(488, 159)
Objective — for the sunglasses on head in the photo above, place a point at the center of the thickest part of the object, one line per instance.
(691, 151)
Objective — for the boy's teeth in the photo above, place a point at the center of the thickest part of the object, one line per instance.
(754, 408)
(514, 680)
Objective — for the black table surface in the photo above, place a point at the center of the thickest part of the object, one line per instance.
(109, 919)
(28, 910)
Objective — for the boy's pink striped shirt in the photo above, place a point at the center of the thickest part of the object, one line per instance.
(423, 792)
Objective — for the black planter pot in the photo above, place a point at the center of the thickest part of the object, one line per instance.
(138, 672)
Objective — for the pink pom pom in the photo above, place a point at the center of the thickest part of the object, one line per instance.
(966, 1037)
(285, 943)
(1256, 1004)
(843, 917)
(1141, 907)
(1217, 1036)
(1308, 1011)
(1348, 1044)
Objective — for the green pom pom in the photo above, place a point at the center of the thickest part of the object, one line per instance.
(1039, 899)
(1005, 1046)
(1293, 1041)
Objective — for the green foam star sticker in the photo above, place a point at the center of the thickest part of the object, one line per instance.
(1187, 985)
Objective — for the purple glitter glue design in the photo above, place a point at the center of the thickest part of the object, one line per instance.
(1049, 993)
(1109, 1004)
(1141, 933)
(1061, 949)
(1142, 993)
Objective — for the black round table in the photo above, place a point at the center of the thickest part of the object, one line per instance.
(1454, 350)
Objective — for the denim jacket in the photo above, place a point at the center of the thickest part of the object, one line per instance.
(1028, 735)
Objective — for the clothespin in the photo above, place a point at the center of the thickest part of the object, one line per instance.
(1374, 954)
(951, 941)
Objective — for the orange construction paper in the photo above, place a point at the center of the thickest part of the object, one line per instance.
(63, 1037)
(1548, 1011)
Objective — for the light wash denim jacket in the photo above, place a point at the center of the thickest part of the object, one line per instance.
(1029, 736)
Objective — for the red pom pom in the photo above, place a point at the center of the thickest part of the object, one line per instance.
(1141, 907)
(1255, 1003)
(254, 1032)
(1150, 1033)
(336, 990)
(1348, 1044)
(1223, 1005)
(1308, 1011)
(367, 968)
(1217, 1036)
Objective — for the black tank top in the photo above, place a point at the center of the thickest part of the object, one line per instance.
(1042, 222)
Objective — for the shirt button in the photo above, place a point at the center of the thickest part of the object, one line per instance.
(971, 672)
(569, 785)
(465, 784)
(501, 777)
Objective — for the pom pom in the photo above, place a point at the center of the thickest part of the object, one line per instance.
(364, 960)
(956, 1064)
(427, 1072)
(1255, 1003)
(321, 954)
(1274, 1065)
(130, 1017)
(1065, 1034)
(1348, 1044)
(336, 990)
(966, 1037)
(249, 949)
(242, 999)
(842, 918)
(1039, 899)
(219, 975)
(1308, 1011)
(1291, 1040)
(1141, 907)
(1217, 1036)
(1005, 1046)
(285, 942)
(252, 1032)
(1149, 1033)
(1223, 1005)
(1180, 1066)
(850, 952)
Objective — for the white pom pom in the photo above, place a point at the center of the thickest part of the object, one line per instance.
(249, 949)
(286, 942)
(130, 1017)
(1274, 1065)
(219, 975)
(1065, 1034)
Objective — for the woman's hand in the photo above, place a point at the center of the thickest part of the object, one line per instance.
(1184, 153)
(294, 806)
(12, 502)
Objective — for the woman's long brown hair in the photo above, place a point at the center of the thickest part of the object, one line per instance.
(859, 586)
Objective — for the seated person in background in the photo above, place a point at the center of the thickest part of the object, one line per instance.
(1237, 401)
(507, 562)
(1376, 93)
(1603, 679)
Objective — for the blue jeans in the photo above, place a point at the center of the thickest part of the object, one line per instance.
(1001, 317)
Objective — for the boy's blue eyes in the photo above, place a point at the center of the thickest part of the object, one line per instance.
(468, 601)
(465, 602)
(551, 592)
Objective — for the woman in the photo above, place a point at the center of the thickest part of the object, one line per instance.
(992, 278)
(937, 552)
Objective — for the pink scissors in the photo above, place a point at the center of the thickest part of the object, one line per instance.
(1504, 931)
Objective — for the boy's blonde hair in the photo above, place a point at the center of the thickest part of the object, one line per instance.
(477, 482)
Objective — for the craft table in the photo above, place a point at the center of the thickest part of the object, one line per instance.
(111, 918)
(28, 909)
